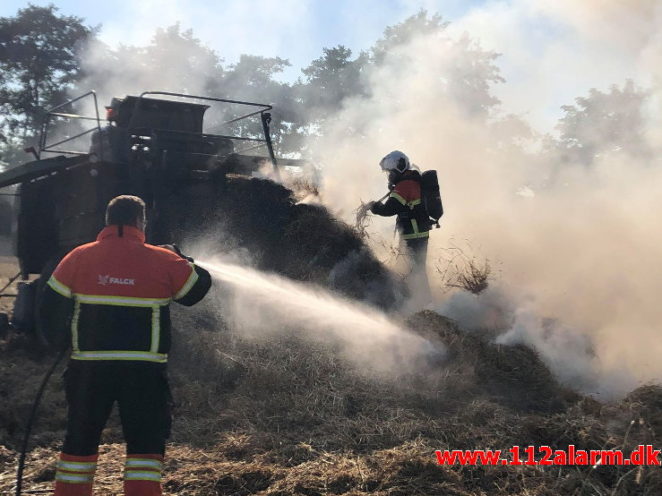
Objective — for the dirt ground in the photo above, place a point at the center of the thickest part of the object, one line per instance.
(8, 269)
(294, 419)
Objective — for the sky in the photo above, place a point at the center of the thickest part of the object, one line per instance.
(544, 43)
(292, 29)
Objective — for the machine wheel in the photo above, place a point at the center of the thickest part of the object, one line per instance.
(23, 313)
(4, 325)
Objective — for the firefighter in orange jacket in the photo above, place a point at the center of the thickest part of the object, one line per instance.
(413, 221)
(111, 297)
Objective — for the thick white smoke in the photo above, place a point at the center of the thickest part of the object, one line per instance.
(554, 50)
(581, 246)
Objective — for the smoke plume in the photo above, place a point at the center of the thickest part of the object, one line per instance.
(576, 244)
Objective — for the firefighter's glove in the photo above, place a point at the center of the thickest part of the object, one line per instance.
(370, 205)
(175, 249)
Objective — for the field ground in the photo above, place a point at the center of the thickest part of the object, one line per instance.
(8, 269)
(284, 415)
(287, 417)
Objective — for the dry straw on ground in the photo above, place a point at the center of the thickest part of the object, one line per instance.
(282, 416)
(460, 270)
(293, 418)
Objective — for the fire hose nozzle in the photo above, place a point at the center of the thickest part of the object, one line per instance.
(175, 249)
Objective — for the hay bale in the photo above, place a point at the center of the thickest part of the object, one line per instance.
(303, 242)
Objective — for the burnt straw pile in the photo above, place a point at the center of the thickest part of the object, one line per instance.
(287, 417)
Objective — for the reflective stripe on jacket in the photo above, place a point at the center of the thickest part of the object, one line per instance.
(121, 289)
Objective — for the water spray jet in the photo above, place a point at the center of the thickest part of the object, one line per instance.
(257, 304)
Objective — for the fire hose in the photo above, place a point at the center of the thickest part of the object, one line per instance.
(31, 419)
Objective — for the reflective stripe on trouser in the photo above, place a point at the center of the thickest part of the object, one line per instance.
(75, 475)
(142, 475)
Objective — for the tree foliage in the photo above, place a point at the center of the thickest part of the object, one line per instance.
(465, 75)
(39, 62)
(331, 79)
(40, 54)
(253, 78)
(401, 34)
(604, 123)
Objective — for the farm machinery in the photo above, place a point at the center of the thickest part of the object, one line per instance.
(152, 145)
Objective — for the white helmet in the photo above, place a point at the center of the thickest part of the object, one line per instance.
(396, 160)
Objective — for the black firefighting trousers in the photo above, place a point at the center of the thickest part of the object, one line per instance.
(417, 280)
(418, 251)
(143, 396)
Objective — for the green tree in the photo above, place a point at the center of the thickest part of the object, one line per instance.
(401, 34)
(174, 60)
(331, 79)
(467, 74)
(253, 78)
(39, 63)
(195, 67)
(604, 123)
(470, 79)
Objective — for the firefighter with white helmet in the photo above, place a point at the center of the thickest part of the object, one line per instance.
(406, 202)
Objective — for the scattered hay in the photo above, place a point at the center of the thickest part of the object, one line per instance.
(362, 220)
(645, 405)
(459, 270)
(473, 278)
(8, 270)
(304, 188)
(299, 420)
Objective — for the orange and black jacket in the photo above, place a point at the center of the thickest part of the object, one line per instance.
(112, 297)
(405, 201)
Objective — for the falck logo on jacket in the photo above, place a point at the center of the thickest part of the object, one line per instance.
(106, 280)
